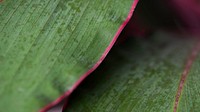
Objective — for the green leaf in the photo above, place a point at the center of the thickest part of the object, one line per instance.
(46, 45)
(190, 96)
(142, 75)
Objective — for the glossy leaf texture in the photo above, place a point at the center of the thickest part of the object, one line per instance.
(141, 75)
(46, 45)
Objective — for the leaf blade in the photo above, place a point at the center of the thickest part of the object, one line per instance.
(189, 99)
(145, 77)
(46, 38)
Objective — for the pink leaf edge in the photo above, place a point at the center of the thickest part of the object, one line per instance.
(78, 82)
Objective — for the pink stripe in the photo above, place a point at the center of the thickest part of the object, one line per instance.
(188, 65)
(65, 95)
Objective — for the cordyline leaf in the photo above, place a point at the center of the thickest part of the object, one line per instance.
(46, 45)
(140, 76)
(190, 97)
(189, 12)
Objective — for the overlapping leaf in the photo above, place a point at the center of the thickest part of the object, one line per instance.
(46, 45)
(140, 76)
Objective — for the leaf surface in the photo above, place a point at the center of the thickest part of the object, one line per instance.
(190, 96)
(46, 45)
(140, 76)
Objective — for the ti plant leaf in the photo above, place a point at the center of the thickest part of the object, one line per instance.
(46, 45)
(190, 98)
(142, 75)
